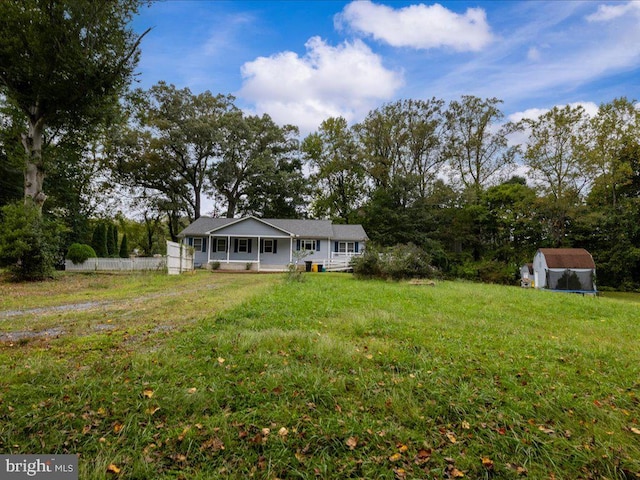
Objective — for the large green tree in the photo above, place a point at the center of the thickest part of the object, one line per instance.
(173, 139)
(338, 177)
(478, 147)
(555, 152)
(254, 152)
(63, 64)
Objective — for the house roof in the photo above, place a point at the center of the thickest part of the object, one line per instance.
(296, 228)
(567, 258)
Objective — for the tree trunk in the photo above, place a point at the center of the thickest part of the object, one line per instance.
(34, 165)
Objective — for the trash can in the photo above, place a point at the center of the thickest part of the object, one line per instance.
(308, 265)
(314, 268)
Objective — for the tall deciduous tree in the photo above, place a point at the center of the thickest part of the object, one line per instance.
(174, 140)
(614, 131)
(253, 152)
(338, 176)
(63, 63)
(555, 155)
(477, 143)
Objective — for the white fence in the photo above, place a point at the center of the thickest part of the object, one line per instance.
(179, 258)
(117, 264)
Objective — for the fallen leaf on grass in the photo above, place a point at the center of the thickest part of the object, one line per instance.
(151, 410)
(635, 430)
(213, 444)
(487, 463)
(113, 469)
(147, 393)
(352, 442)
(395, 457)
(192, 390)
(400, 473)
(117, 427)
(283, 432)
(455, 473)
(183, 434)
(466, 425)
(546, 430)
(402, 448)
(452, 438)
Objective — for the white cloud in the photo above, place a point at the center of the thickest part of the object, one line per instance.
(606, 13)
(346, 80)
(419, 26)
(533, 54)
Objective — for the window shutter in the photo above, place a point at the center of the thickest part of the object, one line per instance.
(317, 245)
(298, 244)
(204, 244)
(261, 245)
(214, 244)
(191, 241)
(275, 246)
(357, 247)
(235, 245)
(335, 246)
(249, 242)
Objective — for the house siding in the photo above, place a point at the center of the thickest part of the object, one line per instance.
(250, 228)
(286, 234)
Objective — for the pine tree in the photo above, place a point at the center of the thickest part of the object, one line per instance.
(124, 247)
(111, 248)
(115, 242)
(99, 241)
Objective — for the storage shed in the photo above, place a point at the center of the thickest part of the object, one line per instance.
(567, 269)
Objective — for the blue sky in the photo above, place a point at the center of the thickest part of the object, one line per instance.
(303, 61)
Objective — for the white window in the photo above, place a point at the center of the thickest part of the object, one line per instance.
(267, 246)
(197, 244)
(307, 244)
(346, 247)
(220, 245)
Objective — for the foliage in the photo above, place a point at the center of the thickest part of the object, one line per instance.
(99, 240)
(63, 66)
(80, 252)
(172, 140)
(111, 240)
(338, 178)
(396, 263)
(369, 264)
(477, 152)
(124, 247)
(29, 244)
(353, 379)
(257, 167)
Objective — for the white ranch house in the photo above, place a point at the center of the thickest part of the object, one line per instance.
(272, 244)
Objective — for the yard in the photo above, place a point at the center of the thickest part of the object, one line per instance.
(213, 375)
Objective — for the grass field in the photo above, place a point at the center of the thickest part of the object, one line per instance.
(216, 375)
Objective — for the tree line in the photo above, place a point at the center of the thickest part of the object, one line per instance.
(478, 193)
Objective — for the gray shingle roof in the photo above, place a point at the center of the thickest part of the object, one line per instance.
(298, 228)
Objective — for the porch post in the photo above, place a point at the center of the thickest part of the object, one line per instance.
(258, 252)
(228, 247)
(291, 249)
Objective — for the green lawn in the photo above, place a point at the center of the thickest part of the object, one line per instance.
(217, 375)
